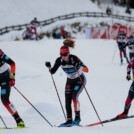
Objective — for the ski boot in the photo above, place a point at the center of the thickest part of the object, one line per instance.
(77, 118)
(124, 114)
(121, 61)
(21, 124)
(68, 123)
(19, 121)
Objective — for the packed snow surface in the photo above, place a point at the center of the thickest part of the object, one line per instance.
(106, 85)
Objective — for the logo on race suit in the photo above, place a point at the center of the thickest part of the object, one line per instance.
(12, 107)
(67, 86)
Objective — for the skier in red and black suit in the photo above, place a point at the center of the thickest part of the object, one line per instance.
(121, 40)
(7, 80)
(131, 91)
(70, 64)
(130, 45)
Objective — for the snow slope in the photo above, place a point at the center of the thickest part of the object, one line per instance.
(106, 85)
(23, 11)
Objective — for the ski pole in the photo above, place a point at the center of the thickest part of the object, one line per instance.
(89, 96)
(33, 107)
(4, 122)
(58, 95)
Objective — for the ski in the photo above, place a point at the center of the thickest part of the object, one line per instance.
(110, 120)
(72, 125)
(13, 127)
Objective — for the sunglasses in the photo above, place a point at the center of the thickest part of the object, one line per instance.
(64, 55)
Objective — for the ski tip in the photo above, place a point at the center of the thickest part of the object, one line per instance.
(94, 124)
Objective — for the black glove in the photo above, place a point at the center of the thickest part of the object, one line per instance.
(48, 64)
(128, 77)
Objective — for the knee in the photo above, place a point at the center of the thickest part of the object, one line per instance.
(5, 102)
(131, 95)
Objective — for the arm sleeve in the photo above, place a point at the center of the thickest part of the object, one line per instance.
(9, 61)
(85, 69)
(56, 66)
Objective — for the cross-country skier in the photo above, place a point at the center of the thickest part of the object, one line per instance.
(121, 40)
(7, 80)
(131, 91)
(34, 24)
(28, 34)
(73, 67)
(130, 45)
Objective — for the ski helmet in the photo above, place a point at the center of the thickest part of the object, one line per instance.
(35, 18)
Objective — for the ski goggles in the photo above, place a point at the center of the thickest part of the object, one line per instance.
(63, 54)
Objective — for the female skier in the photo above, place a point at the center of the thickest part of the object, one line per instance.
(7, 79)
(74, 68)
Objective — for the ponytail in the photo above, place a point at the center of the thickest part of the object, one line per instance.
(69, 43)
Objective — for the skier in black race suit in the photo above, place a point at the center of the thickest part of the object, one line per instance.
(74, 68)
(7, 80)
(130, 96)
(121, 40)
(130, 45)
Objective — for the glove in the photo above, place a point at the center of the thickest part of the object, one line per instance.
(48, 64)
(12, 80)
(128, 77)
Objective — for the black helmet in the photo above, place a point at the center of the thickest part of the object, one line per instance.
(35, 18)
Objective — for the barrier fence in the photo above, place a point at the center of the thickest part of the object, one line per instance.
(65, 17)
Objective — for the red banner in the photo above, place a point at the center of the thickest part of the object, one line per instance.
(108, 32)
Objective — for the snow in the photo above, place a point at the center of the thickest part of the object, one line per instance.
(106, 85)
(23, 11)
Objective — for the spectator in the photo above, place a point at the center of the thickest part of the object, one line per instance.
(108, 11)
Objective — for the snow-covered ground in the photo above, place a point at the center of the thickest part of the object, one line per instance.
(106, 85)
(23, 11)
